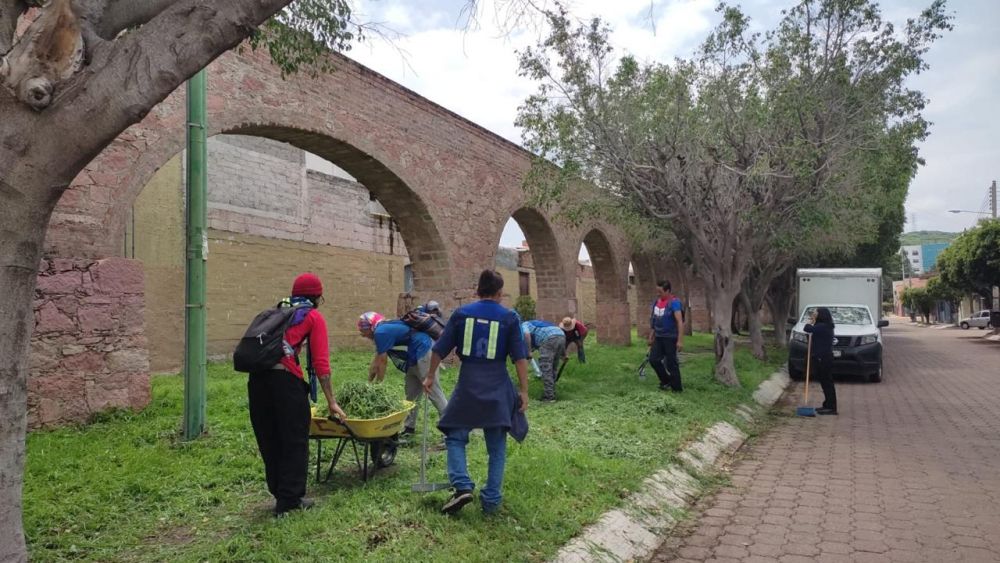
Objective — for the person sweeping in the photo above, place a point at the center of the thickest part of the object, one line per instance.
(820, 328)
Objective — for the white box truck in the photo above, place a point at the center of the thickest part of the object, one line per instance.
(854, 297)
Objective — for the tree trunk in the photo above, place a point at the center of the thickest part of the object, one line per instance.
(23, 223)
(757, 347)
(725, 347)
(779, 319)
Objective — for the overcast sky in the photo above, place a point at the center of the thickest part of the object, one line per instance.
(474, 73)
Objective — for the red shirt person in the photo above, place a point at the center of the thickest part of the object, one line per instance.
(575, 332)
(279, 402)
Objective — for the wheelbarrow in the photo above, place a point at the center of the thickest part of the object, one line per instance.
(373, 442)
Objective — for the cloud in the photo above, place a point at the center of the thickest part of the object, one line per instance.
(473, 72)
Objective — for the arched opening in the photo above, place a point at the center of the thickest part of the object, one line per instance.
(277, 207)
(612, 318)
(533, 266)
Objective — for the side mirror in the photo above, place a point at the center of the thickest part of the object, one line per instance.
(883, 324)
(792, 321)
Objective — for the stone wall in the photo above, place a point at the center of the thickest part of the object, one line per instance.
(88, 350)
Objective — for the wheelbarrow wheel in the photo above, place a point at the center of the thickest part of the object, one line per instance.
(384, 453)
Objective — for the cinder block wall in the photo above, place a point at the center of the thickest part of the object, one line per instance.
(270, 218)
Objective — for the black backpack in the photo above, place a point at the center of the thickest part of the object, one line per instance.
(424, 322)
(262, 345)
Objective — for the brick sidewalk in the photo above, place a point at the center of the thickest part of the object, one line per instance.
(909, 471)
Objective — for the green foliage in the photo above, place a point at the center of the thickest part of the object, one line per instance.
(938, 290)
(304, 34)
(525, 307)
(127, 489)
(365, 401)
(972, 262)
(921, 300)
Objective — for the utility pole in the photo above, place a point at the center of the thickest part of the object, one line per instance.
(993, 198)
(197, 255)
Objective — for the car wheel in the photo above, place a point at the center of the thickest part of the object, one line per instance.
(876, 377)
(982, 328)
(964, 325)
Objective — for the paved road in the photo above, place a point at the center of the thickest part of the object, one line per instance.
(909, 471)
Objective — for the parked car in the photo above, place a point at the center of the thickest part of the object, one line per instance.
(979, 320)
(857, 342)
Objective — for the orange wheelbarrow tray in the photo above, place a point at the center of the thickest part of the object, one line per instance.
(375, 440)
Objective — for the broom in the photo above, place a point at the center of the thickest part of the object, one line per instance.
(807, 410)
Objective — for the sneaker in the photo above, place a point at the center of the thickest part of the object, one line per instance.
(548, 399)
(491, 509)
(456, 502)
(664, 387)
(826, 411)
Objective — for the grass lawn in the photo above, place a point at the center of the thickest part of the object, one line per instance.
(126, 489)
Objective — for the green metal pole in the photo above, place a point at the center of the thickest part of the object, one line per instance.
(197, 254)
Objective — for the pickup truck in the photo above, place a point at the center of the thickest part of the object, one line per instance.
(857, 342)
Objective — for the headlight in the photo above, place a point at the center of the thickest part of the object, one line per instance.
(799, 336)
(869, 339)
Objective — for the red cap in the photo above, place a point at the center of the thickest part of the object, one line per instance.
(307, 285)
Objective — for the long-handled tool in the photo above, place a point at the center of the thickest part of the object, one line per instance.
(561, 368)
(642, 368)
(807, 410)
(423, 486)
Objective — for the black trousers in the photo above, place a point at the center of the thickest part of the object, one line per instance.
(663, 358)
(279, 413)
(822, 369)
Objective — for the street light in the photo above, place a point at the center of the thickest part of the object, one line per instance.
(967, 211)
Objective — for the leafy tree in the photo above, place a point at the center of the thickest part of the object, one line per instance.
(920, 300)
(525, 307)
(972, 262)
(742, 149)
(81, 73)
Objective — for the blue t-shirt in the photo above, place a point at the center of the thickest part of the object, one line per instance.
(541, 333)
(662, 320)
(389, 334)
(539, 323)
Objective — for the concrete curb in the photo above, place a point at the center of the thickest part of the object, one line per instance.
(633, 531)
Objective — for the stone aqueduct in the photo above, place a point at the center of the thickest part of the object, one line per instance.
(449, 184)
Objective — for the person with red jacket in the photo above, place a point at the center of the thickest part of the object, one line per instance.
(575, 332)
(279, 403)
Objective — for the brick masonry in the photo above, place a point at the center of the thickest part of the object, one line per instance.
(88, 351)
(449, 185)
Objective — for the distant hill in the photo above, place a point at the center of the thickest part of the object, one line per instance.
(925, 237)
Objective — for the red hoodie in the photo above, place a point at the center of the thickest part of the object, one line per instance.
(313, 327)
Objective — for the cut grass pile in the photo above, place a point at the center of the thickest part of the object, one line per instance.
(125, 488)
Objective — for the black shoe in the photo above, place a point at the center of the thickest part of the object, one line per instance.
(456, 502)
(826, 411)
(664, 387)
(548, 399)
(304, 504)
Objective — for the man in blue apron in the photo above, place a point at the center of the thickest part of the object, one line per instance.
(484, 334)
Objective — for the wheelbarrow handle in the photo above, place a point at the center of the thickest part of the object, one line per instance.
(333, 418)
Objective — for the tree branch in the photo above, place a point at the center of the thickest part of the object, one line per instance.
(128, 77)
(10, 11)
(120, 15)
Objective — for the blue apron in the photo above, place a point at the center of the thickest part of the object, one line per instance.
(483, 334)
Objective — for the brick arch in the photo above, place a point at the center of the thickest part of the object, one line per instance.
(546, 257)
(611, 276)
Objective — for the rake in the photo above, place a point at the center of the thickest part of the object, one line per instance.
(423, 486)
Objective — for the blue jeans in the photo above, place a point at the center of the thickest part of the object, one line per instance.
(458, 469)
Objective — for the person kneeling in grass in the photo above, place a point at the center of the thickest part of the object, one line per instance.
(485, 334)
